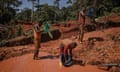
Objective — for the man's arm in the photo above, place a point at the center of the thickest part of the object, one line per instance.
(70, 52)
(61, 47)
(65, 51)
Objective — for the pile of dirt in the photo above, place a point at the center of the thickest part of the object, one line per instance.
(114, 17)
(6, 53)
(98, 53)
(112, 20)
(24, 40)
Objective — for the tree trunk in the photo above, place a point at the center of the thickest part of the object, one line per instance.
(38, 9)
(32, 13)
(95, 7)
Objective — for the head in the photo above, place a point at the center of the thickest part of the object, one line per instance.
(40, 23)
(83, 9)
(73, 45)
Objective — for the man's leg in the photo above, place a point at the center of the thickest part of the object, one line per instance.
(37, 46)
(36, 54)
(68, 57)
(82, 35)
(70, 53)
(79, 33)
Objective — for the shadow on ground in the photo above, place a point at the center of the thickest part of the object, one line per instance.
(48, 57)
(95, 38)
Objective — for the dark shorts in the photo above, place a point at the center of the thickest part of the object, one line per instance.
(37, 43)
(69, 59)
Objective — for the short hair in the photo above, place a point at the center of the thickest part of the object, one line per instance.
(40, 23)
(61, 47)
(73, 45)
(83, 9)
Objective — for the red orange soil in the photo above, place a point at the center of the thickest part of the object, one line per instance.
(112, 17)
(101, 49)
(48, 62)
(27, 64)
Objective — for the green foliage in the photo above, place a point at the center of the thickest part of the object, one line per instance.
(7, 11)
(19, 30)
(10, 32)
(56, 2)
(28, 33)
(116, 10)
(46, 12)
(69, 1)
(24, 15)
(3, 42)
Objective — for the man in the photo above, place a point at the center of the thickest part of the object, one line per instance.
(81, 22)
(90, 15)
(66, 48)
(37, 39)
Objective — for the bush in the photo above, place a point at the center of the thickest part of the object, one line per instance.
(3, 42)
(19, 31)
(116, 10)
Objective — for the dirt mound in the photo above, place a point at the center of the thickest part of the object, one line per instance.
(112, 17)
(56, 35)
(99, 53)
(6, 53)
(23, 40)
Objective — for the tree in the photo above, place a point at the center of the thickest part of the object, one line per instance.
(56, 2)
(38, 8)
(32, 12)
(69, 1)
(24, 15)
(47, 12)
(7, 11)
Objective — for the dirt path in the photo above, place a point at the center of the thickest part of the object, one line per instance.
(45, 64)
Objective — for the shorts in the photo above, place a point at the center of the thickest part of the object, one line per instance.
(37, 44)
